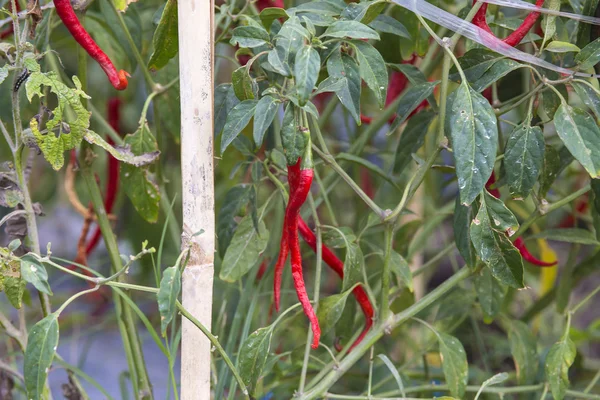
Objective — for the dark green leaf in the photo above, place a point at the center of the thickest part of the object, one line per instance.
(461, 225)
(165, 41)
(454, 364)
(237, 120)
(387, 24)
(266, 109)
(270, 14)
(249, 36)
(294, 142)
(343, 67)
(550, 169)
(167, 295)
(364, 12)
(253, 356)
(473, 128)
(559, 359)
(523, 347)
(414, 74)
(569, 235)
(243, 84)
(410, 100)
(589, 96)
(581, 135)
(350, 29)
(225, 100)
(490, 293)
(412, 138)
(41, 347)
(589, 55)
(524, 158)
(306, 72)
(246, 246)
(372, 69)
(502, 219)
(234, 200)
(35, 273)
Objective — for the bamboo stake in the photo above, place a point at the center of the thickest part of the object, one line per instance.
(196, 44)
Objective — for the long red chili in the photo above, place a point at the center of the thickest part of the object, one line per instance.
(338, 266)
(519, 242)
(10, 29)
(518, 34)
(65, 12)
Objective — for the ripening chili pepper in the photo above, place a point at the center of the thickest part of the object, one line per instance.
(338, 266)
(65, 12)
(262, 4)
(10, 29)
(519, 242)
(518, 34)
(580, 208)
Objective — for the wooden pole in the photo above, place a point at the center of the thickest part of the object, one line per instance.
(196, 44)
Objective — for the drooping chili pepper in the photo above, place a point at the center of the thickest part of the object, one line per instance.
(262, 4)
(65, 12)
(338, 266)
(10, 29)
(518, 34)
(519, 242)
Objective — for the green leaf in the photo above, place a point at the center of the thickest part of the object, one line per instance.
(490, 293)
(320, 7)
(243, 84)
(124, 154)
(392, 368)
(270, 14)
(364, 12)
(235, 199)
(502, 219)
(331, 84)
(550, 169)
(350, 29)
(237, 120)
(483, 67)
(559, 359)
(343, 67)
(330, 310)
(454, 364)
(168, 292)
(225, 101)
(387, 24)
(569, 235)
(472, 125)
(14, 287)
(288, 40)
(353, 266)
(138, 182)
(496, 250)
(306, 72)
(494, 380)
(524, 157)
(549, 21)
(372, 69)
(273, 57)
(580, 133)
(35, 273)
(41, 347)
(589, 55)
(589, 96)
(3, 73)
(293, 141)
(461, 225)
(249, 36)
(523, 347)
(401, 269)
(412, 139)
(246, 246)
(253, 356)
(410, 100)
(561, 47)
(341, 237)
(165, 40)
(61, 134)
(266, 109)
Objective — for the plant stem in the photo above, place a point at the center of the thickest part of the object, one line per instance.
(385, 275)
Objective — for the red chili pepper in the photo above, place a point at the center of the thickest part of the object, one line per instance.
(518, 34)
(10, 29)
(338, 266)
(519, 242)
(65, 12)
(262, 4)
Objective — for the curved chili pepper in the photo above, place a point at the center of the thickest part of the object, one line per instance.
(338, 266)
(518, 34)
(65, 12)
(10, 29)
(262, 4)
(519, 242)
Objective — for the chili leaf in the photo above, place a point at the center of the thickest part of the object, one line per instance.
(350, 29)
(243, 252)
(524, 351)
(330, 310)
(233, 202)
(472, 125)
(270, 14)
(306, 72)
(253, 356)
(353, 266)
(266, 109)
(343, 67)
(410, 100)
(364, 12)
(561, 47)
(35, 273)
(373, 71)
(243, 84)
(249, 36)
(524, 156)
(503, 220)
(454, 364)
(165, 40)
(392, 368)
(387, 24)
(569, 235)
(236, 121)
(550, 169)
(559, 359)
(287, 42)
(580, 133)
(490, 293)
(461, 225)
(401, 269)
(589, 55)
(292, 140)
(41, 347)
(138, 182)
(330, 84)
(412, 139)
(3, 73)
(589, 96)
(168, 292)
(225, 101)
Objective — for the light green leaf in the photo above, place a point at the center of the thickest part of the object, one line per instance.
(294, 143)
(561, 47)
(237, 120)
(243, 84)
(278, 65)
(589, 96)
(472, 125)
(343, 67)
(580, 133)
(568, 235)
(387, 24)
(559, 359)
(253, 356)
(138, 182)
(3, 73)
(353, 266)
(350, 29)
(165, 40)
(41, 347)
(331, 84)
(372, 69)
(523, 347)
(388, 363)
(270, 14)
(266, 109)
(454, 364)
(524, 157)
(246, 246)
(502, 219)
(168, 292)
(35, 273)
(490, 293)
(249, 36)
(288, 40)
(365, 11)
(330, 310)
(124, 154)
(306, 72)
(494, 380)
(401, 269)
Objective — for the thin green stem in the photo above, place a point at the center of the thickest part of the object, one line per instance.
(385, 275)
